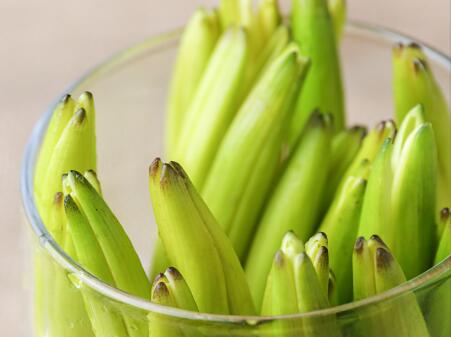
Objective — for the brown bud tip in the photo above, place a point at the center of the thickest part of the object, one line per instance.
(69, 203)
(316, 117)
(175, 274)
(160, 290)
(378, 239)
(93, 172)
(380, 127)
(155, 166)
(383, 258)
(65, 99)
(359, 129)
(419, 65)
(78, 176)
(414, 45)
(80, 116)
(444, 214)
(86, 95)
(358, 246)
(58, 198)
(179, 169)
(167, 172)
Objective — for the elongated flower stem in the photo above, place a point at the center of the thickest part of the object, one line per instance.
(248, 157)
(323, 89)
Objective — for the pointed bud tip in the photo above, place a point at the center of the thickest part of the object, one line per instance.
(155, 166)
(69, 203)
(160, 290)
(377, 238)
(383, 125)
(414, 45)
(359, 244)
(92, 172)
(320, 119)
(175, 274)
(80, 116)
(322, 235)
(419, 65)
(444, 214)
(159, 277)
(167, 172)
(86, 95)
(179, 169)
(383, 258)
(361, 130)
(65, 99)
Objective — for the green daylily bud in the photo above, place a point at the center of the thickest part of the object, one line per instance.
(341, 224)
(122, 259)
(300, 183)
(323, 88)
(218, 282)
(196, 46)
(413, 84)
(244, 167)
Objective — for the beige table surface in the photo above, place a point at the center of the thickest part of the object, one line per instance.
(46, 44)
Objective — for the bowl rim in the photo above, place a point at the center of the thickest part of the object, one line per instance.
(437, 273)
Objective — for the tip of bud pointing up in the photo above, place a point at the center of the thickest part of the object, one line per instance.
(160, 290)
(79, 116)
(359, 244)
(155, 167)
(444, 214)
(419, 65)
(377, 238)
(383, 258)
(174, 273)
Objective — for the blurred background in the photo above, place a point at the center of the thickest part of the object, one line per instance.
(46, 44)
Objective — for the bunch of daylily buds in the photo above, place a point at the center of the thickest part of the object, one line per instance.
(270, 204)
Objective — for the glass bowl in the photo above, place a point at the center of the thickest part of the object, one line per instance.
(130, 90)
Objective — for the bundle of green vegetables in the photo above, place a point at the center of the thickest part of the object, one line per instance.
(263, 163)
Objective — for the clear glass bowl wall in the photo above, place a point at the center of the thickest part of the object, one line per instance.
(130, 90)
